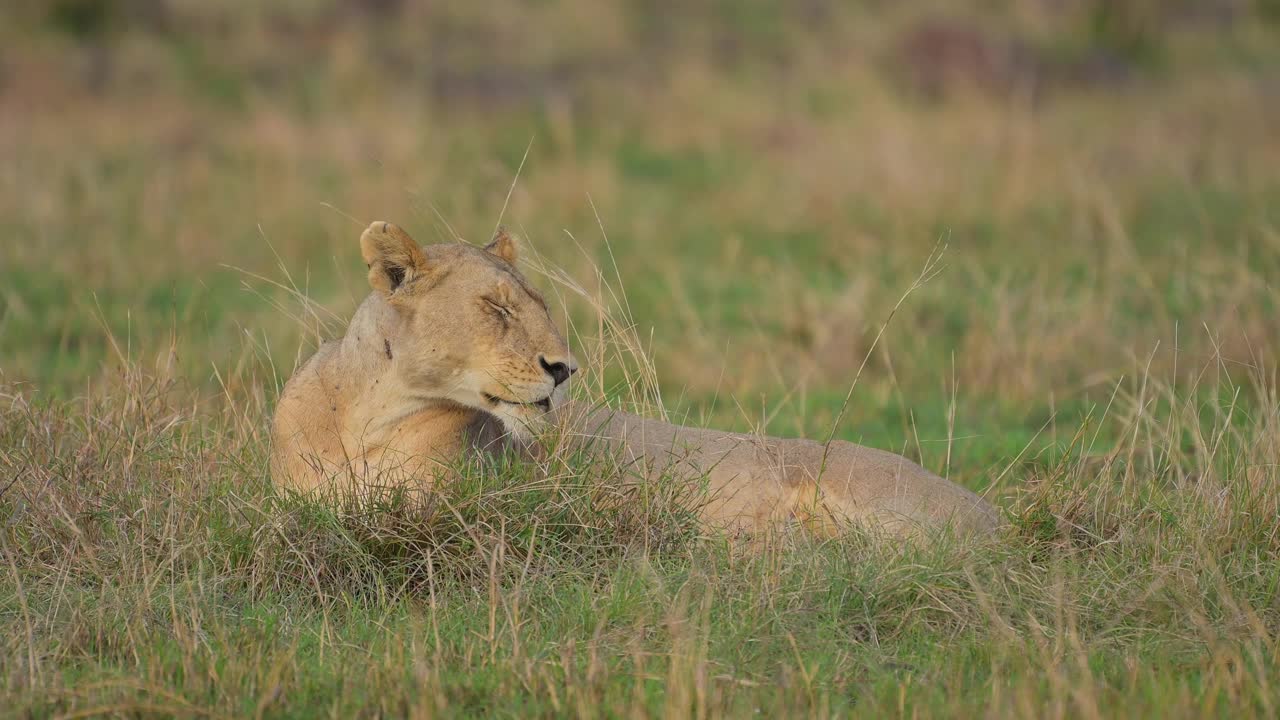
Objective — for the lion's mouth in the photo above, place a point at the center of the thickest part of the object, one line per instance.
(544, 404)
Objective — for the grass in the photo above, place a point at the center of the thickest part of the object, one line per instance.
(725, 208)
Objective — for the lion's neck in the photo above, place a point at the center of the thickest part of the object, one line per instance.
(381, 409)
(384, 404)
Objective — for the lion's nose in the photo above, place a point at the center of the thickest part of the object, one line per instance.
(559, 371)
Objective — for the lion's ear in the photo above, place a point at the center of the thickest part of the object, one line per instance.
(392, 256)
(504, 245)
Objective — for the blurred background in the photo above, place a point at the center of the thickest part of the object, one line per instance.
(763, 181)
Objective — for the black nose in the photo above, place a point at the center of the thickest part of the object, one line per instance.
(557, 370)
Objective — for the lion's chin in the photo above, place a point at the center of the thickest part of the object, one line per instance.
(521, 422)
(524, 420)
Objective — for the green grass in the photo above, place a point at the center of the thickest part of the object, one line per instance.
(747, 195)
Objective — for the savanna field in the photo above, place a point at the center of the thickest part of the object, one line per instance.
(1034, 246)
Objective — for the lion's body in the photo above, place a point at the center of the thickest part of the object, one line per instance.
(425, 374)
(754, 482)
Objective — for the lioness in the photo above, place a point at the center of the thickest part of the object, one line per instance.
(455, 352)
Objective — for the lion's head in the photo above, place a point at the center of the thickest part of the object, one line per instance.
(467, 326)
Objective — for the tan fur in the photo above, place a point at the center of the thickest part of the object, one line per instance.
(453, 346)
(756, 482)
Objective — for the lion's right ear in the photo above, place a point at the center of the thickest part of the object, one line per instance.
(504, 245)
(392, 256)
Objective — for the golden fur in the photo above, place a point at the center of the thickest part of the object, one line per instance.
(454, 352)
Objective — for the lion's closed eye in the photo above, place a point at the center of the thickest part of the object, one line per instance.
(499, 308)
(501, 311)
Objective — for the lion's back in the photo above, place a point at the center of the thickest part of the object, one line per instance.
(297, 425)
(896, 489)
